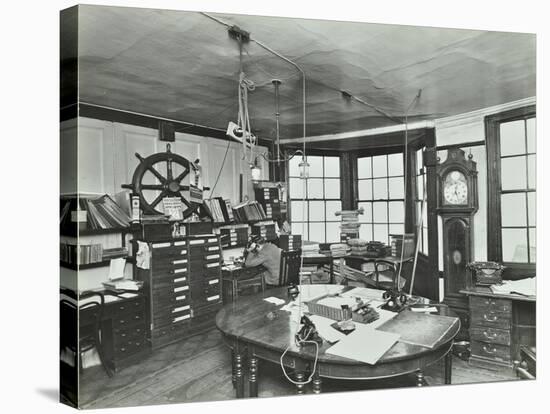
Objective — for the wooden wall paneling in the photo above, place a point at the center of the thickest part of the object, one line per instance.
(431, 283)
(228, 171)
(68, 157)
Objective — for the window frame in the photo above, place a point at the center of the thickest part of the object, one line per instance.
(494, 190)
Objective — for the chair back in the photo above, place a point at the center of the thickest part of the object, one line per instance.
(290, 267)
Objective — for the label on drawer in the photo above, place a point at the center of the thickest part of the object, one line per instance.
(181, 288)
(180, 279)
(200, 241)
(183, 252)
(182, 297)
(160, 245)
(181, 308)
(213, 248)
(214, 240)
(180, 243)
(181, 261)
(211, 298)
(180, 270)
(213, 256)
(213, 281)
(181, 318)
(213, 265)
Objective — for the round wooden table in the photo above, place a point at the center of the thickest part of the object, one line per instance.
(255, 329)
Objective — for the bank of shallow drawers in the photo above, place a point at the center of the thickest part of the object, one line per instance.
(184, 287)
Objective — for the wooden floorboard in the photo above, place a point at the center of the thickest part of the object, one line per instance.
(199, 369)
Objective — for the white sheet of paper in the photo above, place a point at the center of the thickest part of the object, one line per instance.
(310, 292)
(364, 345)
(364, 293)
(274, 300)
(427, 309)
(127, 295)
(326, 331)
(116, 268)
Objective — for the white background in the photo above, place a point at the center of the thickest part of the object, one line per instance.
(29, 210)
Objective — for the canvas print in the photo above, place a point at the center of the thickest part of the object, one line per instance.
(262, 206)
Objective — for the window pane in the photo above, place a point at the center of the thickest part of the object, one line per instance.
(315, 188)
(512, 138)
(365, 232)
(397, 228)
(333, 207)
(380, 212)
(514, 245)
(533, 244)
(532, 208)
(295, 187)
(365, 189)
(293, 166)
(425, 240)
(333, 232)
(380, 188)
(316, 211)
(381, 232)
(300, 228)
(419, 161)
(395, 187)
(364, 167)
(297, 211)
(420, 187)
(317, 232)
(532, 135)
(513, 174)
(513, 210)
(332, 166)
(395, 164)
(366, 217)
(315, 166)
(379, 166)
(332, 188)
(532, 170)
(396, 212)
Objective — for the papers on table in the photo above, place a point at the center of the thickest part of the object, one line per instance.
(364, 345)
(425, 309)
(274, 300)
(527, 287)
(365, 293)
(337, 302)
(127, 295)
(116, 268)
(310, 292)
(326, 331)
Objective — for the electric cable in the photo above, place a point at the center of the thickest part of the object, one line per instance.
(221, 168)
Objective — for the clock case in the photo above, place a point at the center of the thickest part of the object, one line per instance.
(458, 240)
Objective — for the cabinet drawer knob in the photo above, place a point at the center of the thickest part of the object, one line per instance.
(489, 335)
(491, 318)
(489, 350)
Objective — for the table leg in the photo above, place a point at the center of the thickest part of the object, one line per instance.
(420, 382)
(239, 375)
(300, 377)
(448, 367)
(253, 376)
(316, 384)
(233, 376)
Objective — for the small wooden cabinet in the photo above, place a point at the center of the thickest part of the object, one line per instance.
(499, 325)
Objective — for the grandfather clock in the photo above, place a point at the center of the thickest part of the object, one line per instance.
(456, 204)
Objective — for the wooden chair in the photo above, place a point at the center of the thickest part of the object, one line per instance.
(289, 271)
(88, 335)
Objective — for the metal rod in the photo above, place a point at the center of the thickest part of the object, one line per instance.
(276, 84)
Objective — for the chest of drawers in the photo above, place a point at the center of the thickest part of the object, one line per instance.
(183, 285)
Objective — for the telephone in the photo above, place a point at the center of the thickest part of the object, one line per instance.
(395, 300)
(308, 332)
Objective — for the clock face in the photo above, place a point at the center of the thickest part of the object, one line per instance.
(455, 188)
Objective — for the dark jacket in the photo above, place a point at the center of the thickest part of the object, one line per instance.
(270, 257)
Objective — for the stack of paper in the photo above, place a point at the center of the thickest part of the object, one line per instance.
(526, 287)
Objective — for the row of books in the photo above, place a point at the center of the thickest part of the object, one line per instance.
(265, 229)
(234, 235)
(99, 213)
(221, 210)
(289, 242)
(249, 211)
(80, 254)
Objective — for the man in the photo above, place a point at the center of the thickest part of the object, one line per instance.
(258, 252)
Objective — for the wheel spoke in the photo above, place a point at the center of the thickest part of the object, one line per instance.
(156, 174)
(182, 175)
(169, 169)
(156, 187)
(187, 203)
(158, 199)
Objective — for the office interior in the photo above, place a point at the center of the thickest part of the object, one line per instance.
(342, 134)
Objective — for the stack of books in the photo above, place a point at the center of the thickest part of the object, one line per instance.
(358, 246)
(100, 213)
(349, 227)
(306, 273)
(310, 249)
(269, 198)
(249, 211)
(81, 254)
(338, 249)
(400, 242)
(234, 235)
(221, 210)
(114, 253)
(289, 242)
(266, 229)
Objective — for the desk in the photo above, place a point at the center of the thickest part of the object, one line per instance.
(234, 279)
(252, 336)
(355, 261)
(500, 325)
(322, 259)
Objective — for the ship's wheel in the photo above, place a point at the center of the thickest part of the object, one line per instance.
(162, 166)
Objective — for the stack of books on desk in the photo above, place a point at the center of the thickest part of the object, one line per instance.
(338, 249)
(310, 249)
(349, 228)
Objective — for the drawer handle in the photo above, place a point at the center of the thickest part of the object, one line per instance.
(121, 308)
(122, 349)
(488, 350)
(122, 321)
(490, 336)
(490, 319)
(123, 335)
(137, 317)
